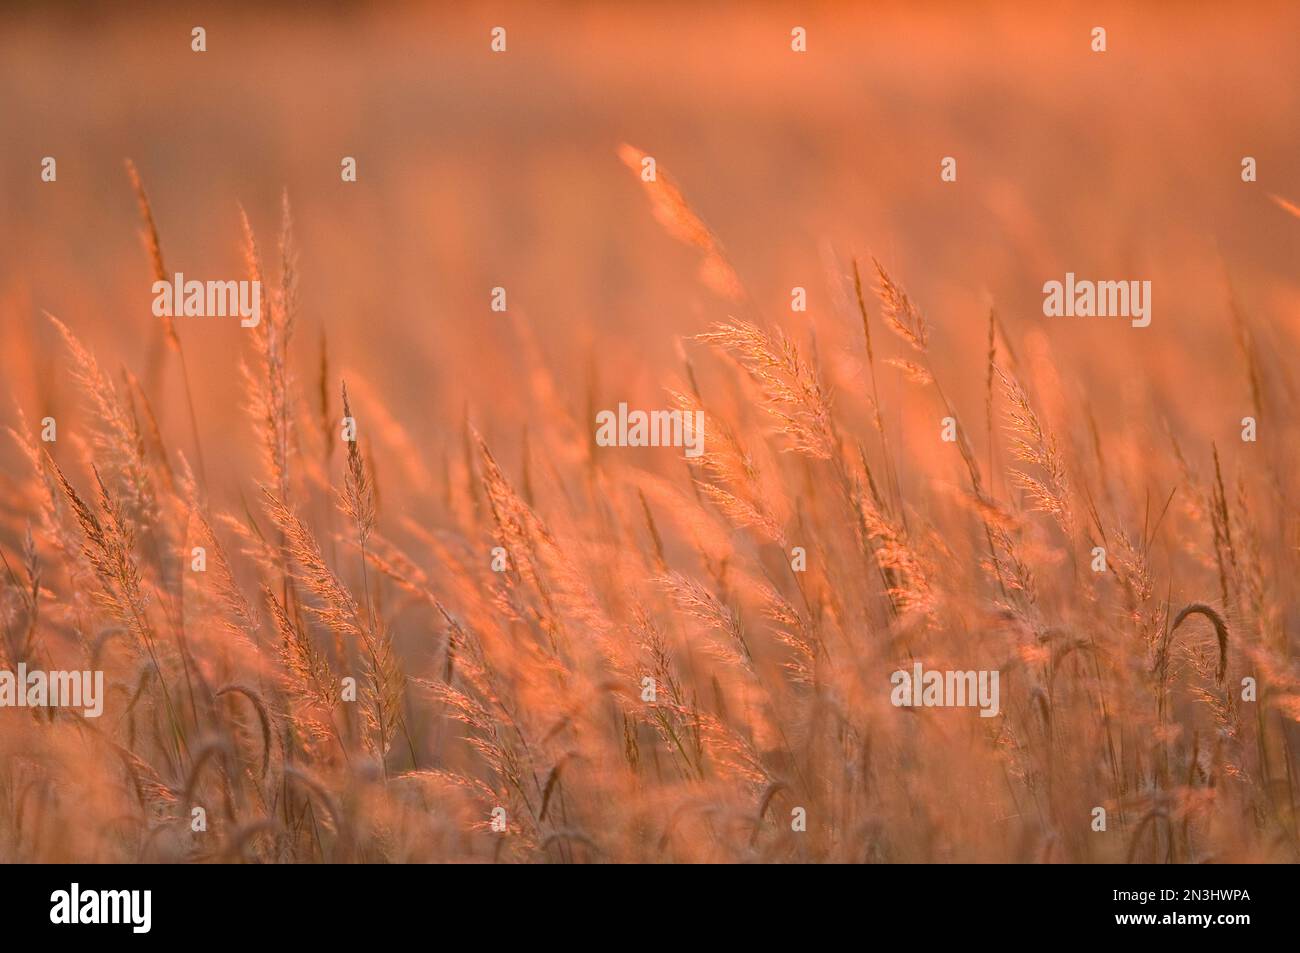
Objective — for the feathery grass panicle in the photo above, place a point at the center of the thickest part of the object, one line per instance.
(693, 598)
(358, 497)
(903, 317)
(153, 246)
(791, 387)
(674, 213)
(109, 545)
(1032, 443)
(117, 439)
(335, 606)
(267, 378)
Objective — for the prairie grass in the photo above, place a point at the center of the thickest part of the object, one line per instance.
(522, 689)
(516, 694)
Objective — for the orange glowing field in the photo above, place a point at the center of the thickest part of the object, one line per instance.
(590, 476)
